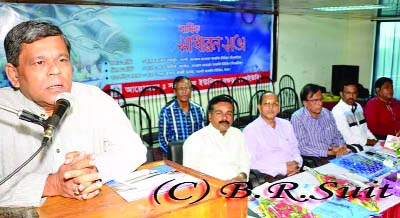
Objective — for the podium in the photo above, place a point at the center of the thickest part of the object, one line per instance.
(109, 204)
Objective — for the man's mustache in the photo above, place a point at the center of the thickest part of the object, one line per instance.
(223, 121)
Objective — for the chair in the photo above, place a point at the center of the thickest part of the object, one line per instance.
(153, 99)
(256, 178)
(241, 92)
(117, 95)
(288, 101)
(265, 83)
(175, 154)
(175, 151)
(216, 88)
(255, 98)
(286, 81)
(196, 96)
(141, 123)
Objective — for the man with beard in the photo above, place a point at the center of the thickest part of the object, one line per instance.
(383, 111)
(349, 117)
(218, 149)
(180, 118)
(315, 128)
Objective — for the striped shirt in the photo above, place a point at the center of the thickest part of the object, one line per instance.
(316, 135)
(176, 125)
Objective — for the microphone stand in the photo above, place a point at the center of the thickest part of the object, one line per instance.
(33, 118)
(25, 115)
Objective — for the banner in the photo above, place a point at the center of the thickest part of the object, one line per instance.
(128, 48)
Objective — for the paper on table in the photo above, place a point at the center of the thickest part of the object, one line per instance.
(389, 142)
(142, 184)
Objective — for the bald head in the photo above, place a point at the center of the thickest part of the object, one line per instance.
(267, 95)
(269, 106)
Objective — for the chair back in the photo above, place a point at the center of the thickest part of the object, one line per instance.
(265, 83)
(216, 88)
(196, 96)
(116, 95)
(241, 92)
(255, 98)
(288, 101)
(286, 81)
(141, 124)
(175, 151)
(153, 99)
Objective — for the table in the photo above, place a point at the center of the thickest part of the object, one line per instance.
(110, 204)
(389, 207)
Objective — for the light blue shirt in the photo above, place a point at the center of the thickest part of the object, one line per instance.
(316, 135)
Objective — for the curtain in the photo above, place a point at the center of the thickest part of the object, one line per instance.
(387, 62)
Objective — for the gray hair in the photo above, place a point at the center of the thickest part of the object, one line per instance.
(29, 32)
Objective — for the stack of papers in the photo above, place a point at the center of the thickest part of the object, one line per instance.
(142, 183)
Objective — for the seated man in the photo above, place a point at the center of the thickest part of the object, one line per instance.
(218, 149)
(383, 111)
(94, 143)
(271, 142)
(315, 128)
(349, 117)
(179, 119)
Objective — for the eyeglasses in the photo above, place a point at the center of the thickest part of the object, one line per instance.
(220, 113)
(315, 101)
(271, 104)
(183, 89)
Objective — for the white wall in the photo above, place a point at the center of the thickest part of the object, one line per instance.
(308, 46)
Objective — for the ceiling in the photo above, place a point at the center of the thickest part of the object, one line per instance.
(297, 7)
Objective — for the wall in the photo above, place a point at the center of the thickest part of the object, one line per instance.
(308, 46)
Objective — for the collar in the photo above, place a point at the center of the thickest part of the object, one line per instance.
(261, 122)
(308, 114)
(30, 105)
(216, 131)
(176, 105)
(344, 104)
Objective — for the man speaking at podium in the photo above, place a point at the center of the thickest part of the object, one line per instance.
(94, 141)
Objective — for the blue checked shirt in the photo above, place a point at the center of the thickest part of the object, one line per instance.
(315, 135)
(176, 125)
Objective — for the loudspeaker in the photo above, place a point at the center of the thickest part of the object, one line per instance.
(341, 73)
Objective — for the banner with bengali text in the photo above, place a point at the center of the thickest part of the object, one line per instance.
(128, 48)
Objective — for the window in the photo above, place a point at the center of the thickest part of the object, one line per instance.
(387, 51)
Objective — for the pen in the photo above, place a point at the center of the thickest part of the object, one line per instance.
(142, 178)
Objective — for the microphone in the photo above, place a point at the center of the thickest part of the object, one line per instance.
(50, 125)
(62, 107)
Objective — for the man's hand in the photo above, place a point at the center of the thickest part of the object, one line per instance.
(76, 178)
(371, 142)
(292, 168)
(242, 177)
(338, 151)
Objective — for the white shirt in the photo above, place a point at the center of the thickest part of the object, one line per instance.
(352, 126)
(220, 156)
(95, 124)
